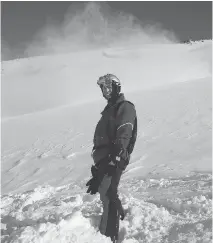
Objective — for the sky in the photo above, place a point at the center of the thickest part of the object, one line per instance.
(21, 21)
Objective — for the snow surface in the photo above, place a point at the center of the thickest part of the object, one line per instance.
(50, 107)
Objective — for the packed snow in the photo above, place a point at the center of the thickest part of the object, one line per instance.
(50, 107)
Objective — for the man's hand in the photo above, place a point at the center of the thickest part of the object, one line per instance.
(93, 183)
(93, 186)
(94, 171)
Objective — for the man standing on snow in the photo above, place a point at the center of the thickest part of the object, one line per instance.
(114, 140)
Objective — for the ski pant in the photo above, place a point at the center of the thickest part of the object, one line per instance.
(109, 225)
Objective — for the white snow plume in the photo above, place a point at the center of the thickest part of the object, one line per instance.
(93, 25)
(12, 53)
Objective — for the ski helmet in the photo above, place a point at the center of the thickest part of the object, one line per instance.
(110, 86)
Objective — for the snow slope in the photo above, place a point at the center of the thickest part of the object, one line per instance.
(49, 117)
(70, 78)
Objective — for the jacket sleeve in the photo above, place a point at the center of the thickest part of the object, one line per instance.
(124, 126)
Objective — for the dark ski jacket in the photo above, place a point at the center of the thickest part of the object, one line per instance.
(113, 132)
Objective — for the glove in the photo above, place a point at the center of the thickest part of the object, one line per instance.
(93, 185)
(94, 171)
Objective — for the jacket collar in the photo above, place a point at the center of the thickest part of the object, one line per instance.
(120, 98)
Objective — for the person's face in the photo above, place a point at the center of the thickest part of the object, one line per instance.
(106, 91)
